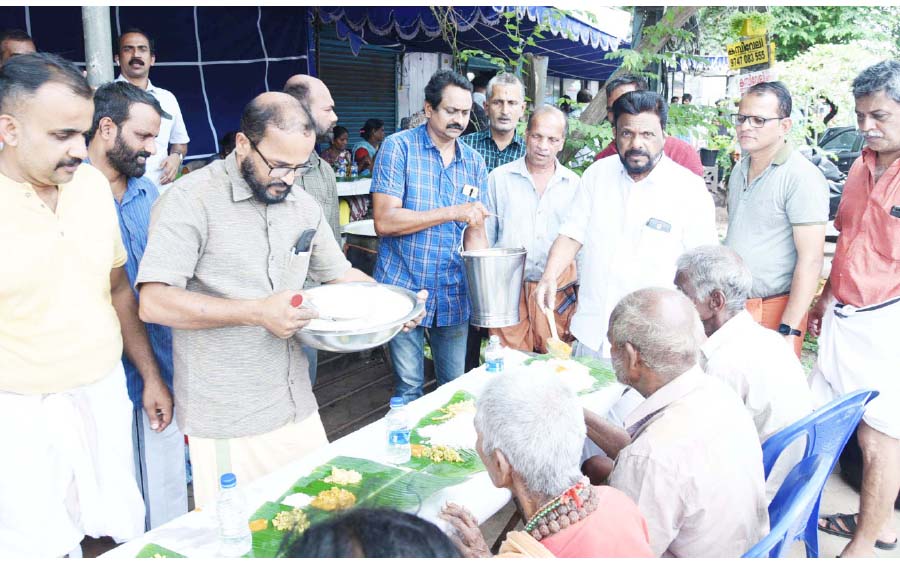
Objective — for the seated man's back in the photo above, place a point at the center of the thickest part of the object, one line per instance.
(694, 468)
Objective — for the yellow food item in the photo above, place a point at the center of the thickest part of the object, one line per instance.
(291, 520)
(456, 408)
(257, 525)
(343, 476)
(334, 499)
(437, 454)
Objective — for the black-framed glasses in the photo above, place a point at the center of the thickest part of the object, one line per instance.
(282, 171)
(755, 120)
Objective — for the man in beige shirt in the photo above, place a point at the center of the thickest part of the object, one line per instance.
(220, 268)
(689, 457)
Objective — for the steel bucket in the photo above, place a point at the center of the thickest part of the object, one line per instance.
(495, 284)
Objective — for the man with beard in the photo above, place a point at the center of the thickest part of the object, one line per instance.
(634, 216)
(689, 441)
(122, 138)
(65, 309)
(136, 53)
(428, 187)
(676, 149)
(225, 257)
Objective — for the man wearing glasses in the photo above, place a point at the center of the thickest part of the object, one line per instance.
(777, 211)
(224, 258)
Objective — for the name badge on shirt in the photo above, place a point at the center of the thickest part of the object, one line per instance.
(470, 191)
(895, 211)
(658, 225)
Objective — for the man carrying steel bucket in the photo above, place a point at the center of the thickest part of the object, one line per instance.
(529, 199)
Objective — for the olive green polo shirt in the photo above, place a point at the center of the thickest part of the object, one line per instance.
(762, 215)
(208, 234)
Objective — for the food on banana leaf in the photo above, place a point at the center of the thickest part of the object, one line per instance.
(297, 500)
(454, 409)
(291, 520)
(258, 525)
(334, 499)
(437, 454)
(343, 476)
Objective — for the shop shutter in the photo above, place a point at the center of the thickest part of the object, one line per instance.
(363, 86)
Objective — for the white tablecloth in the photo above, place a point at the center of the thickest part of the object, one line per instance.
(194, 534)
(355, 187)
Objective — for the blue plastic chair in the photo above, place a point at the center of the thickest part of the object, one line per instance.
(826, 431)
(792, 506)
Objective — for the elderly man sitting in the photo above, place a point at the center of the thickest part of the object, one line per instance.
(751, 359)
(690, 458)
(530, 435)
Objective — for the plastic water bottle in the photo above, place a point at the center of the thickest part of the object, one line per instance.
(397, 432)
(354, 170)
(231, 510)
(493, 355)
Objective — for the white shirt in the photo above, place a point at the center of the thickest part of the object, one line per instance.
(524, 218)
(632, 235)
(764, 371)
(171, 132)
(694, 468)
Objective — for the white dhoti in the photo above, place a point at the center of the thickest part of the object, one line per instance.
(67, 469)
(859, 349)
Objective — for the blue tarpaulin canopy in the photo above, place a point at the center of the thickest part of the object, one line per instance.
(575, 48)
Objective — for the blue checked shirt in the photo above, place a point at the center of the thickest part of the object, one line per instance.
(409, 167)
(484, 145)
(134, 223)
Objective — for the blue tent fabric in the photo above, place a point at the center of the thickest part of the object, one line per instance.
(575, 49)
(214, 59)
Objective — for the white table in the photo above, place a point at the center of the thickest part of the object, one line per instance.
(355, 187)
(194, 534)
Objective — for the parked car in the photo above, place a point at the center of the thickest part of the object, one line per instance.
(845, 143)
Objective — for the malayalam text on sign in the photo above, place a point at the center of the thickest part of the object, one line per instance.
(753, 51)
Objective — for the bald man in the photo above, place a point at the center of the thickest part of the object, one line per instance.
(319, 181)
(240, 379)
(690, 440)
(530, 198)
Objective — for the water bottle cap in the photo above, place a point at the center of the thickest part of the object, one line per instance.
(228, 480)
(494, 338)
(397, 402)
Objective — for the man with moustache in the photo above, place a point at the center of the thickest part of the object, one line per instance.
(777, 211)
(505, 104)
(427, 187)
(688, 442)
(136, 53)
(529, 199)
(634, 216)
(122, 138)
(221, 268)
(66, 309)
(857, 315)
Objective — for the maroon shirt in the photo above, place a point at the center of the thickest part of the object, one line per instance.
(676, 149)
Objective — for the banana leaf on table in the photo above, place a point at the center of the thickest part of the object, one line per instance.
(471, 463)
(382, 486)
(600, 371)
(152, 550)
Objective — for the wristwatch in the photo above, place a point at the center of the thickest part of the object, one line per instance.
(180, 155)
(786, 330)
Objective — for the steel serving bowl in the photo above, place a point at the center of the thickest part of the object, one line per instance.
(363, 338)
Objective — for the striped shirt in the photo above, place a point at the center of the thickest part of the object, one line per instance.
(410, 168)
(134, 224)
(484, 145)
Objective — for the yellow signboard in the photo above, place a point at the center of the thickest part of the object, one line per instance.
(753, 51)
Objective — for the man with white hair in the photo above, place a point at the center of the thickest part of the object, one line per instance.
(750, 358)
(530, 433)
(689, 457)
(856, 317)
(500, 144)
(530, 198)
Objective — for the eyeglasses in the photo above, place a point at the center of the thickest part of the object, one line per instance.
(282, 171)
(755, 120)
